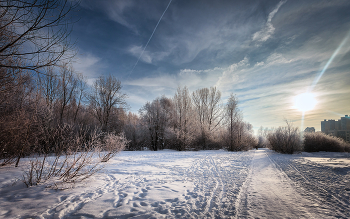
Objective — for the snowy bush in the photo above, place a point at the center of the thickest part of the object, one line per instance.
(285, 139)
(111, 145)
(314, 142)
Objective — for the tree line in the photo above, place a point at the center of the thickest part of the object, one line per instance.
(190, 121)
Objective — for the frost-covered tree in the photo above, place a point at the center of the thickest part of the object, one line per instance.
(206, 102)
(184, 123)
(239, 134)
(232, 120)
(132, 131)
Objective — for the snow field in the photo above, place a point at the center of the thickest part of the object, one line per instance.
(139, 185)
(204, 184)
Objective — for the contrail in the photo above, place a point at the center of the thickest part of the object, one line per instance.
(151, 36)
(329, 61)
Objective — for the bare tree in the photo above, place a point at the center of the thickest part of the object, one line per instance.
(50, 87)
(67, 87)
(167, 106)
(155, 117)
(81, 86)
(131, 130)
(232, 120)
(184, 122)
(106, 94)
(34, 34)
(209, 111)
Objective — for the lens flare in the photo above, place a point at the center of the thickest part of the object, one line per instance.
(330, 60)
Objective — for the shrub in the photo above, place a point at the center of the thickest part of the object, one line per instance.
(285, 139)
(314, 142)
(76, 165)
(61, 169)
(112, 145)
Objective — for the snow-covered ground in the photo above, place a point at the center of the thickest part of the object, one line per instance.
(203, 184)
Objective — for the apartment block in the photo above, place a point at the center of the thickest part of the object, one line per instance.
(340, 128)
(309, 129)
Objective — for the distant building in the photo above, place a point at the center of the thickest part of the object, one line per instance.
(309, 129)
(340, 128)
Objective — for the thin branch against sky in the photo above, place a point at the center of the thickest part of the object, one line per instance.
(150, 37)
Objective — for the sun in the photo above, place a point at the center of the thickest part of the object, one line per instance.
(305, 102)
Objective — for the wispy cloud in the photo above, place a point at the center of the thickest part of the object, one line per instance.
(229, 76)
(137, 50)
(88, 65)
(266, 32)
(116, 12)
(147, 56)
(164, 80)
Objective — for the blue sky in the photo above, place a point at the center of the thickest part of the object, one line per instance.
(265, 52)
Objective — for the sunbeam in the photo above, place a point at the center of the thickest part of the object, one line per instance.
(302, 123)
(329, 62)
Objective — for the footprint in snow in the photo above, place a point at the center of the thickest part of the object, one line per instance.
(155, 204)
(172, 200)
(142, 195)
(143, 204)
(62, 198)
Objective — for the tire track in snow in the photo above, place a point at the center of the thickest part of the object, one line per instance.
(241, 202)
(211, 198)
(220, 186)
(227, 173)
(334, 198)
(284, 175)
(269, 193)
(328, 202)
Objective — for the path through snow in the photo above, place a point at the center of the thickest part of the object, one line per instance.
(268, 193)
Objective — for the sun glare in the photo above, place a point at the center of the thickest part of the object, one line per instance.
(305, 102)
